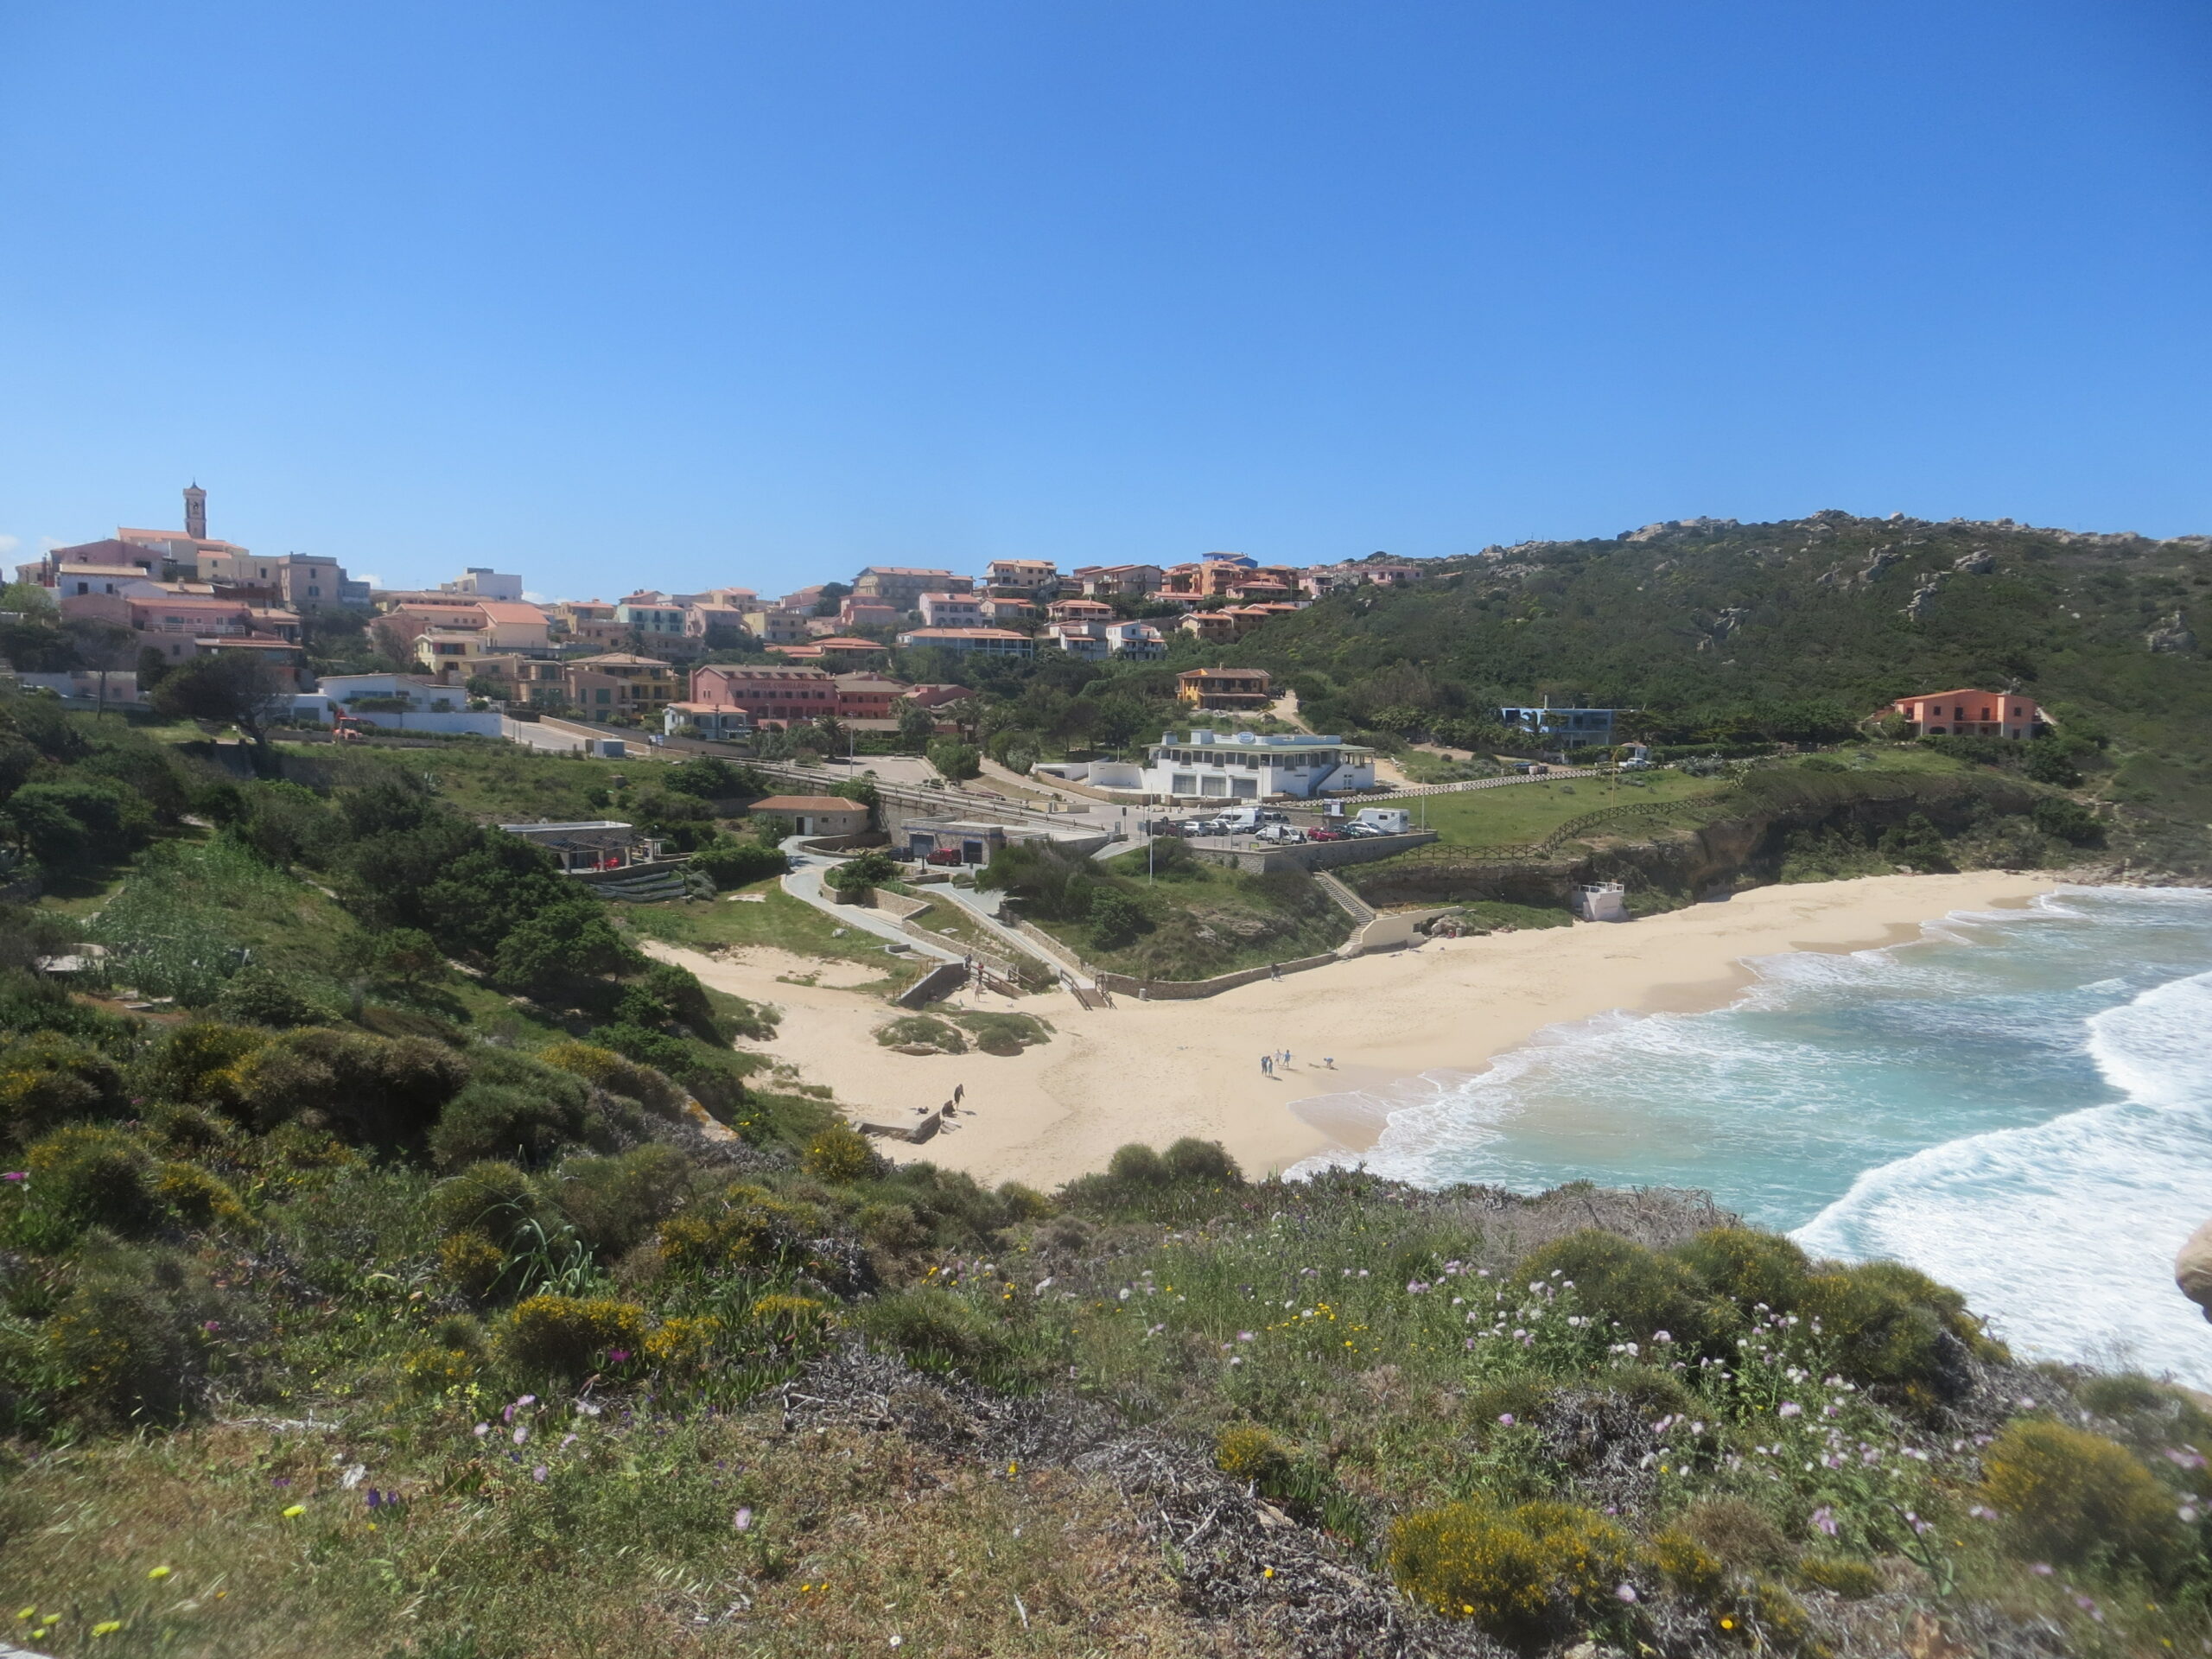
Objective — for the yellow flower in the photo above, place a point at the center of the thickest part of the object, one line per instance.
(27, 1611)
(1013, 1468)
(159, 1573)
(296, 1511)
(108, 1627)
(1268, 1573)
(1727, 1623)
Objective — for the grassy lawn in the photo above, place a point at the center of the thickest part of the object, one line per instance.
(779, 920)
(497, 782)
(1515, 813)
(1201, 919)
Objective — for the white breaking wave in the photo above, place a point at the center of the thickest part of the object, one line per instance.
(2063, 1233)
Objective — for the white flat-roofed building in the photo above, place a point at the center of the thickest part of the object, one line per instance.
(1246, 766)
(990, 642)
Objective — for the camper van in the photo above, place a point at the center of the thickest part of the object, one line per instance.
(1245, 820)
(1384, 820)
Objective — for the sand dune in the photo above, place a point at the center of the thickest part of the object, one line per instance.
(1154, 1071)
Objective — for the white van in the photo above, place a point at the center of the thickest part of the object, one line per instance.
(1385, 820)
(1244, 820)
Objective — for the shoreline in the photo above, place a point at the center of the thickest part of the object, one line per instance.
(1155, 1071)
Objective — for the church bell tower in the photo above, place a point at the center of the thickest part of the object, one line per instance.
(195, 513)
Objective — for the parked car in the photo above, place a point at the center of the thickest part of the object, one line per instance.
(1325, 834)
(944, 855)
(1281, 835)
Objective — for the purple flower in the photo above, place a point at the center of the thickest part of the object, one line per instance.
(618, 1355)
(16, 1175)
(1243, 1336)
(1824, 1520)
(742, 1520)
(522, 1432)
(481, 1430)
(1789, 1408)
(1505, 1418)
(211, 1325)
(538, 1474)
(1625, 1591)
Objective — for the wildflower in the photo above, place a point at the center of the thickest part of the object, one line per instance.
(2041, 1569)
(1727, 1623)
(1824, 1520)
(211, 1325)
(27, 1611)
(1243, 1336)
(522, 1432)
(1625, 1591)
(481, 1430)
(2188, 1514)
(158, 1572)
(16, 1175)
(296, 1511)
(1661, 1336)
(107, 1627)
(2187, 1457)
(539, 1474)
(1789, 1408)
(1506, 1419)
(1013, 1468)
(1268, 1573)
(742, 1520)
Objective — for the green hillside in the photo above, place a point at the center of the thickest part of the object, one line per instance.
(1720, 633)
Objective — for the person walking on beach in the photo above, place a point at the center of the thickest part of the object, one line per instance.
(959, 1093)
(1267, 1065)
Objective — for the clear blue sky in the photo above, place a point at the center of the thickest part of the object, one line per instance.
(693, 294)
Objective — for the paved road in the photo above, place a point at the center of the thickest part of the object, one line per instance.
(805, 883)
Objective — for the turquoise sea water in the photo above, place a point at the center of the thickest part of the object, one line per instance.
(2019, 1104)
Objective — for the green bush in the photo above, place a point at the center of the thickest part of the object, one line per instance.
(1845, 1575)
(567, 1335)
(1192, 1160)
(368, 1091)
(605, 1069)
(1748, 1268)
(2065, 820)
(615, 1203)
(2071, 1496)
(938, 1331)
(492, 1200)
(98, 1177)
(1249, 1452)
(197, 1198)
(193, 1064)
(1897, 1329)
(48, 1079)
(744, 1229)
(256, 996)
(1116, 918)
(1617, 1280)
(1523, 1576)
(893, 1227)
(1138, 1164)
(491, 1121)
(127, 1355)
(840, 1155)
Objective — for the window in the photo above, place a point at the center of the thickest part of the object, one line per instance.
(603, 696)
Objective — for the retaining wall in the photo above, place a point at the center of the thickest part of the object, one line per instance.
(1315, 855)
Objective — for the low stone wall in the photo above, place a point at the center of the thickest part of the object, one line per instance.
(1315, 855)
(940, 980)
(1178, 990)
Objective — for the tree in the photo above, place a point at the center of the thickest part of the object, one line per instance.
(104, 647)
(74, 818)
(735, 863)
(232, 687)
(1116, 918)
(916, 726)
(956, 761)
(853, 879)
(564, 953)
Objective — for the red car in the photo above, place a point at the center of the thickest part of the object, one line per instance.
(1324, 834)
(944, 855)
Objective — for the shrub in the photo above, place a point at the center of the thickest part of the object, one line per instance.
(490, 1120)
(1747, 1267)
(127, 1353)
(1688, 1565)
(2120, 1395)
(893, 1227)
(746, 1229)
(922, 1028)
(194, 1063)
(1521, 1576)
(101, 1178)
(493, 1199)
(2065, 820)
(605, 1069)
(684, 1344)
(2070, 1496)
(450, 1359)
(48, 1079)
(369, 1091)
(1898, 1328)
(737, 863)
(1847, 1576)
(1250, 1453)
(1138, 1164)
(256, 996)
(615, 1203)
(1915, 842)
(1192, 1160)
(566, 1336)
(853, 880)
(938, 1331)
(840, 1155)
(198, 1197)
(1736, 1531)
(472, 1263)
(1116, 918)
(1617, 1279)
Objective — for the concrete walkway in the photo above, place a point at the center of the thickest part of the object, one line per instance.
(804, 884)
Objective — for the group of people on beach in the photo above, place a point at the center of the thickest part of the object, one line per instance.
(1281, 1056)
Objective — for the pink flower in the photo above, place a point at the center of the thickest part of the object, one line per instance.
(1625, 1591)
(1789, 1408)
(522, 1432)
(742, 1520)
(618, 1356)
(538, 1474)
(481, 1430)
(1824, 1520)
(16, 1175)
(1243, 1336)
(1506, 1419)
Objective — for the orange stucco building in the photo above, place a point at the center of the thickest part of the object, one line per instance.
(1971, 713)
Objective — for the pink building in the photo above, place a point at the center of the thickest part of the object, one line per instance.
(1972, 713)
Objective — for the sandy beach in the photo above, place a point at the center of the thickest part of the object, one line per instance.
(1154, 1071)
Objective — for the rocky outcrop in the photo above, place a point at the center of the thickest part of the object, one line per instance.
(2173, 635)
(2193, 1268)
